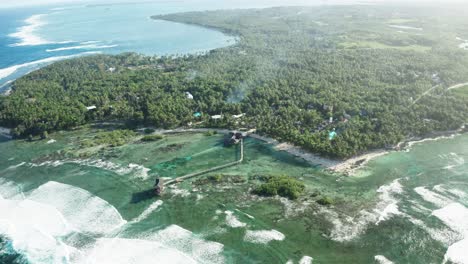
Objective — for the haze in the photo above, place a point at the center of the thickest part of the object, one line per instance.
(26, 3)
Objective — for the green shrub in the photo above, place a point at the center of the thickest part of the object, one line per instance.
(216, 178)
(325, 201)
(283, 186)
(152, 137)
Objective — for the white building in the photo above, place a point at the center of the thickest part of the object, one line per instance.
(238, 116)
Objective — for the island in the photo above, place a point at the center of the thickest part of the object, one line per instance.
(336, 81)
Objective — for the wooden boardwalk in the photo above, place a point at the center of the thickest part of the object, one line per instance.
(195, 174)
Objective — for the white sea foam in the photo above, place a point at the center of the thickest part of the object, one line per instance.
(387, 198)
(5, 72)
(246, 214)
(185, 241)
(33, 228)
(411, 143)
(263, 236)
(432, 197)
(85, 212)
(455, 216)
(135, 251)
(306, 260)
(153, 207)
(454, 160)
(51, 141)
(90, 42)
(405, 27)
(346, 228)
(12, 167)
(82, 47)
(26, 33)
(138, 171)
(180, 192)
(232, 221)
(449, 190)
(382, 259)
(10, 190)
(457, 253)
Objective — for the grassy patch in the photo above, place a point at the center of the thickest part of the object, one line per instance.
(462, 91)
(149, 138)
(378, 45)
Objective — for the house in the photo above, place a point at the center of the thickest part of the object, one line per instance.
(216, 117)
(92, 107)
(238, 116)
(189, 95)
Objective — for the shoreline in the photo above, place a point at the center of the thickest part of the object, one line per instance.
(348, 167)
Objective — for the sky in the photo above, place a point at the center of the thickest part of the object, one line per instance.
(25, 3)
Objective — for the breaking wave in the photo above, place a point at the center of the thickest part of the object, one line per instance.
(138, 171)
(346, 228)
(232, 221)
(42, 226)
(382, 259)
(82, 47)
(263, 236)
(455, 216)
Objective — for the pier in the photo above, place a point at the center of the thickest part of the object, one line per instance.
(220, 167)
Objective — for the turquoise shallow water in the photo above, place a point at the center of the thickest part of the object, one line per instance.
(407, 207)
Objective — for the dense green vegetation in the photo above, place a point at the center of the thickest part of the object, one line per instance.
(155, 137)
(292, 71)
(113, 138)
(283, 186)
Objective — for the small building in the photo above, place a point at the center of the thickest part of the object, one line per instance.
(92, 107)
(189, 95)
(332, 135)
(215, 117)
(197, 114)
(238, 116)
(233, 138)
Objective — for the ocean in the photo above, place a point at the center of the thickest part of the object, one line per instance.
(31, 38)
(57, 207)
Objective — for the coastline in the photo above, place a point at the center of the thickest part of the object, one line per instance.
(347, 167)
